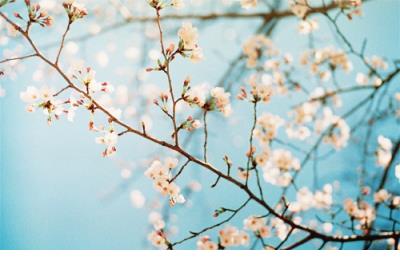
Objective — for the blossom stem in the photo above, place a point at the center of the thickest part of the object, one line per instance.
(168, 74)
(63, 41)
(251, 151)
(205, 135)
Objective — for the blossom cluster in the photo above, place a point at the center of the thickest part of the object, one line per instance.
(215, 99)
(188, 42)
(158, 239)
(361, 211)
(338, 130)
(163, 182)
(228, 237)
(44, 99)
(74, 10)
(256, 47)
(352, 7)
(306, 200)
(268, 125)
(37, 14)
(205, 243)
(278, 167)
(257, 225)
(322, 61)
(275, 227)
(109, 139)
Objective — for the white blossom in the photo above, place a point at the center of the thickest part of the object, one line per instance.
(255, 47)
(157, 239)
(397, 171)
(205, 243)
(381, 196)
(160, 174)
(178, 4)
(189, 36)
(384, 151)
(247, 4)
(231, 236)
(299, 7)
(221, 99)
(109, 139)
(277, 170)
(137, 198)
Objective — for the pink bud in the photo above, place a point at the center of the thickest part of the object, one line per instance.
(17, 15)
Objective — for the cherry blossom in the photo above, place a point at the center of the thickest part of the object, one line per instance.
(221, 100)
(384, 151)
(205, 243)
(299, 7)
(189, 36)
(74, 10)
(109, 139)
(294, 116)
(162, 178)
(247, 4)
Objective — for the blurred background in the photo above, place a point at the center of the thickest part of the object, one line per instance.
(56, 190)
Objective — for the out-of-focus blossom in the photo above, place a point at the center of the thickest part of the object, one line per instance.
(267, 127)
(277, 170)
(308, 26)
(247, 4)
(178, 4)
(137, 198)
(2, 92)
(384, 151)
(231, 236)
(327, 227)
(338, 132)
(255, 47)
(381, 196)
(205, 243)
(351, 7)
(299, 7)
(397, 171)
(306, 200)
(361, 211)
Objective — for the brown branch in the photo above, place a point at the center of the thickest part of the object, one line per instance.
(17, 58)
